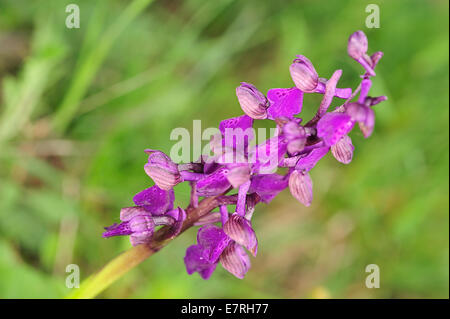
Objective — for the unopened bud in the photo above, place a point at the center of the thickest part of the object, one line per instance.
(252, 101)
(162, 170)
(300, 185)
(303, 74)
(343, 150)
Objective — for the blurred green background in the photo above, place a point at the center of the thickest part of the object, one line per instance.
(79, 106)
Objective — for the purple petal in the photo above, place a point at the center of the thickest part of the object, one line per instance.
(180, 216)
(333, 126)
(155, 200)
(117, 230)
(330, 91)
(342, 93)
(267, 155)
(366, 84)
(267, 186)
(213, 240)
(284, 102)
(310, 160)
(235, 260)
(195, 262)
(214, 184)
(244, 122)
(237, 132)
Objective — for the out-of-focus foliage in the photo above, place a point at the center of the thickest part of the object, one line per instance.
(79, 106)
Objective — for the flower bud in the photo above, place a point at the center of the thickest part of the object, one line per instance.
(303, 74)
(343, 150)
(240, 230)
(162, 170)
(300, 185)
(252, 102)
(235, 260)
(357, 45)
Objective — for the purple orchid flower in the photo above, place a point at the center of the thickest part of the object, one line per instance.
(249, 169)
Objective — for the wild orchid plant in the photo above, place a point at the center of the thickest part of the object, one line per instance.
(295, 146)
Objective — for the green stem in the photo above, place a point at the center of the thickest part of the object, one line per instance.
(123, 263)
(115, 269)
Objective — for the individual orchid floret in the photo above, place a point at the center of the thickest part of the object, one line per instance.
(138, 224)
(300, 185)
(239, 229)
(364, 115)
(162, 170)
(252, 101)
(357, 49)
(155, 200)
(333, 126)
(307, 80)
(343, 150)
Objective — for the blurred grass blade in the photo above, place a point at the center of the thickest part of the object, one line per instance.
(91, 63)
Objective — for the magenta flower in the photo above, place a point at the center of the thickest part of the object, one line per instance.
(250, 169)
